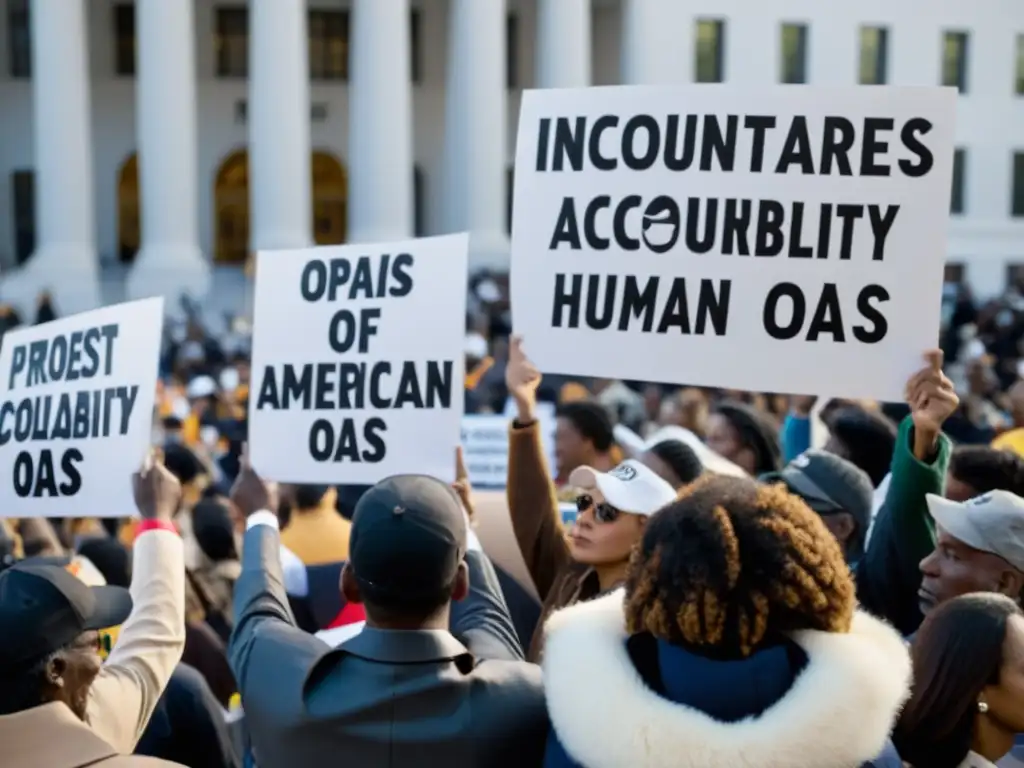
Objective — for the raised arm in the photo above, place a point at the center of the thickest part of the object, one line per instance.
(532, 499)
(265, 634)
(151, 641)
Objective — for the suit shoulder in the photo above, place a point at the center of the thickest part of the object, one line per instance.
(514, 678)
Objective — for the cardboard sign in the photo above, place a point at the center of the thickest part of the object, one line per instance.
(77, 411)
(485, 446)
(785, 239)
(357, 360)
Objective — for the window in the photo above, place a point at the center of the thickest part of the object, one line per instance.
(512, 51)
(954, 60)
(874, 56)
(794, 53)
(19, 40)
(415, 45)
(710, 63)
(328, 45)
(1020, 65)
(124, 39)
(1017, 208)
(419, 199)
(23, 195)
(956, 199)
(953, 272)
(232, 42)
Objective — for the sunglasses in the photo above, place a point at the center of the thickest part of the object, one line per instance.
(603, 513)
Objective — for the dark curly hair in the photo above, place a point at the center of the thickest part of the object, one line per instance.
(986, 469)
(731, 565)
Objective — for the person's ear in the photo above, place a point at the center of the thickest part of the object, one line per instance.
(843, 525)
(349, 586)
(1011, 583)
(460, 589)
(56, 668)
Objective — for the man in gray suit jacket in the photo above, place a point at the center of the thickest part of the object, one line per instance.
(403, 692)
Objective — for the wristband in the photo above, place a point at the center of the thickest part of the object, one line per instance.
(155, 525)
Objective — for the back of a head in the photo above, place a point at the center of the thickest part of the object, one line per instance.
(214, 530)
(869, 439)
(110, 557)
(756, 433)
(986, 469)
(183, 463)
(591, 420)
(733, 565)
(407, 544)
(957, 652)
(309, 496)
(680, 458)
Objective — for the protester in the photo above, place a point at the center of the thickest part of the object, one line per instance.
(674, 462)
(583, 435)
(864, 438)
(735, 642)
(387, 696)
(979, 548)
(968, 697)
(837, 490)
(51, 665)
(975, 469)
(315, 532)
(612, 510)
(743, 436)
(214, 579)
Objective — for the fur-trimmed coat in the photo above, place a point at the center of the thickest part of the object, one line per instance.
(836, 711)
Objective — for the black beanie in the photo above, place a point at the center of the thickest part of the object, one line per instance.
(681, 458)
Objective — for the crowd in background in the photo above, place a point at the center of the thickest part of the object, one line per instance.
(732, 589)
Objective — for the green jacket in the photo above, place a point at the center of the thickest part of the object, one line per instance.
(888, 576)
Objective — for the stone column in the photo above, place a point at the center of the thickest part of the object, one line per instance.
(476, 129)
(563, 43)
(65, 260)
(280, 190)
(380, 156)
(169, 262)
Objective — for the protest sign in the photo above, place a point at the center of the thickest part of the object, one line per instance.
(785, 239)
(357, 360)
(77, 411)
(485, 446)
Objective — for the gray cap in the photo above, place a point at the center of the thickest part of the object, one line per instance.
(992, 522)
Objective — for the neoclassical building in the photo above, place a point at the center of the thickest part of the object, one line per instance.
(147, 145)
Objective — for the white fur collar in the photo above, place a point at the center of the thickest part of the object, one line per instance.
(838, 713)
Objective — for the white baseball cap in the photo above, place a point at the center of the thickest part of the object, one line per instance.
(992, 522)
(631, 487)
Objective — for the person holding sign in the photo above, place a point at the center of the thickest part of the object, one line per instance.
(613, 509)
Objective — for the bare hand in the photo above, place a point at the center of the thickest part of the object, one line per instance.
(522, 379)
(462, 486)
(931, 396)
(156, 491)
(251, 493)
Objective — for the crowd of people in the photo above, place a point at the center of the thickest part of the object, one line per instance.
(746, 579)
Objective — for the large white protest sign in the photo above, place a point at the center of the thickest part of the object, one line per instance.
(784, 239)
(485, 442)
(357, 360)
(77, 411)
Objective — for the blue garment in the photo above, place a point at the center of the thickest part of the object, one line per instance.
(795, 437)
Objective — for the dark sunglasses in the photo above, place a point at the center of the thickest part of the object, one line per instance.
(603, 513)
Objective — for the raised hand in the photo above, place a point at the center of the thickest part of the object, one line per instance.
(932, 399)
(522, 379)
(462, 486)
(251, 493)
(157, 492)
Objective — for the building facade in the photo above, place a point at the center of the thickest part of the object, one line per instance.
(162, 138)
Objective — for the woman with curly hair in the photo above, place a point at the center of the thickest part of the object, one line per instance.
(735, 642)
(968, 699)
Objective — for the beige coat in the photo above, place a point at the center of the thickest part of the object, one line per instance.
(51, 736)
(148, 647)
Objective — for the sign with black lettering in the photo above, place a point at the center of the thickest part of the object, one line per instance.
(77, 411)
(357, 360)
(786, 239)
